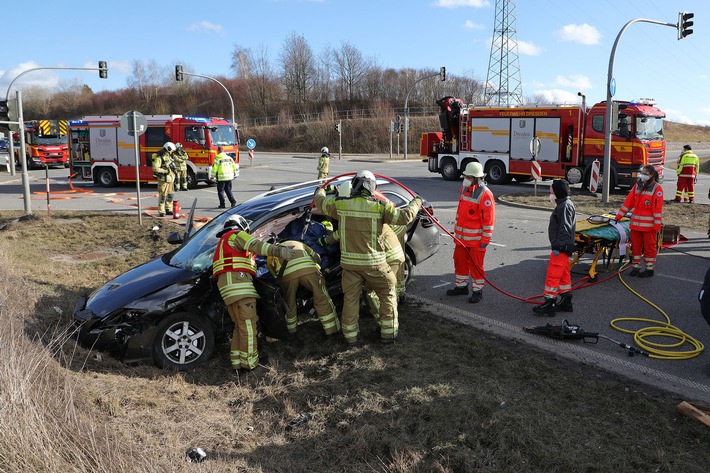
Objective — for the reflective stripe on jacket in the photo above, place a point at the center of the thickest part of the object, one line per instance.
(645, 206)
(297, 267)
(475, 215)
(224, 168)
(688, 165)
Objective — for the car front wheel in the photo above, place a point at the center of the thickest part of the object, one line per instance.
(183, 341)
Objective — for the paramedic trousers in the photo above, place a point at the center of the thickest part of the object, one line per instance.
(244, 353)
(381, 280)
(644, 244)
(558, 279)
(465, 265)
(685, 184)
(321, 302)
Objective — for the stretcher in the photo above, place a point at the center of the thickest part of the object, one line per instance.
(603, 238)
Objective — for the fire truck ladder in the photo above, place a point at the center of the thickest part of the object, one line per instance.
(464, 131)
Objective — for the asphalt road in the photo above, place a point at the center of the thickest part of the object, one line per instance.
(516, 262)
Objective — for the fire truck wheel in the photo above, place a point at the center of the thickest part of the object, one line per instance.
(522, 178)
(449, 170)
(183, 341)
(191, 180)
(496, 173)
(106, 177)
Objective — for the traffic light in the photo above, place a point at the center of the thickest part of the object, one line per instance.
(684, 24)
(442, 74)
(337, 127)
(103, 70)
(178, 73)
(4, 117)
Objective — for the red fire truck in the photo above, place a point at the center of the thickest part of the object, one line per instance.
(570, 137)
(45, 143)
(101, 150)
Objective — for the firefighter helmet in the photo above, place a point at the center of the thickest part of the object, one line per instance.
(169, 146)
(364, 180)
(473, 169)
(178, 145)
(324, 150)
(236, 222)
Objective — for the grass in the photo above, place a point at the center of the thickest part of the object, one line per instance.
(447, 398)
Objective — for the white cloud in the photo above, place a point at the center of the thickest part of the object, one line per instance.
(473, 26)
(45, 78)
(678, 117)
(574, 81)
(558, 96)
(528, 48)
(584, 34)
(462, 3)
(208, 27)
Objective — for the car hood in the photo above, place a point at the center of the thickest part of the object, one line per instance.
(138, 288)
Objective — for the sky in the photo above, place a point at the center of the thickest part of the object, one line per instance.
(564, 46)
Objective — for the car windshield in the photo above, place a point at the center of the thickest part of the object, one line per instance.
(223, 135)
(649, 128)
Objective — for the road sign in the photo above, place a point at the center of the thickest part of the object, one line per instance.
(251, 155)
(251, 144)
(536, 171)
(594, 176)
(535, 146)
(612, 87)
(127, 120)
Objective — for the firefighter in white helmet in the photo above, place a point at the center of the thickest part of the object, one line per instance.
(164, 170)
(475, 218)
(234, 267)
(323, 162)
(363, 256)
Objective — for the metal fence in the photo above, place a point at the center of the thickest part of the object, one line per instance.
(337, 115)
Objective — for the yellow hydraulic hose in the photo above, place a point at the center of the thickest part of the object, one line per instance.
(644, 337)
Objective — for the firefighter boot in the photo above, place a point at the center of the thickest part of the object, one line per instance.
(458, 291)
(476, 296)
(548, 308)
(565, 304)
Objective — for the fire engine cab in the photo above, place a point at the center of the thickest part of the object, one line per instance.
(45, 143)
(571, 138)
(101, 150)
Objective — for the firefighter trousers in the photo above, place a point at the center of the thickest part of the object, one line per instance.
(165, 197)
(244, 352)
(181, 180)
(558, 277)
(468, 261)
(383, 281)
(322, 302)
(373, 301)
(644, 244)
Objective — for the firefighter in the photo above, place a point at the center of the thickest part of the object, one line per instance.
(475, 218)
(561, 230)
(180, 157)
(362, 253)
(304, 271)
(224, 170)
(164, 170)
(323, 163)
(234, 267)
(645, 204)
(688, 170)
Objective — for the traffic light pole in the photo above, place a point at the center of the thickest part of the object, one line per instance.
(102, 71)
(606, 171)
(214, 80)
(23, 160)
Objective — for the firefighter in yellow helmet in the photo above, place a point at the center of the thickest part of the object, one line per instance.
(164, 170)
(233, 265)
(363, 256)
(303, 270)
(323, 162)
(180, 157)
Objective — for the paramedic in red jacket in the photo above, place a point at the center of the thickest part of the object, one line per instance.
(475, 218)
(645, 204)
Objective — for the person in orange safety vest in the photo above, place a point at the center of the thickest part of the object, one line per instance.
(475, 218)
(561, 230)
(645, 204)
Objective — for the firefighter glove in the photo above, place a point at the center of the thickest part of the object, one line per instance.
(286, 252)
(321, 241)
(330, 189)
(418, 202)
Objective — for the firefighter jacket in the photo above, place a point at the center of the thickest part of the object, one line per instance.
(180, 158)
(688, 165)
(360, 224)
(303, 264)
(224, 168)
(475, 215)
(562, 227)
(323, 162)
(163, 167)
(645, 206)
(394, 253)
(236, 253)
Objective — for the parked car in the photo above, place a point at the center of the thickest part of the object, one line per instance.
(3, 145)
(169, 311)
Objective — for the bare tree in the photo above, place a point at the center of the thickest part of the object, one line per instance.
(298, 68)
(145, 80)
(37, 102)
(351, 69)
(242, 62)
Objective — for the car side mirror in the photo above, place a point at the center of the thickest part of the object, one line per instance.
(175, 238)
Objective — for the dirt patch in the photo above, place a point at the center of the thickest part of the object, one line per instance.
(94, 255)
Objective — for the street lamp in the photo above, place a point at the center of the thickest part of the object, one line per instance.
(442, 74)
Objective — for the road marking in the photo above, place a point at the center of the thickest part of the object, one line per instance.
(441, 285)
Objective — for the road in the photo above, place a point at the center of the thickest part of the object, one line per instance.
(516, 262)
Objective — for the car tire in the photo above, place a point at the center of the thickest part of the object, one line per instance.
(183, 341)
(408, 269)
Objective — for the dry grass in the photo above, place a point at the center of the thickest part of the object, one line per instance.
(446, 399)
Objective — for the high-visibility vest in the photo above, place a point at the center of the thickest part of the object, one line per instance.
(475, 215)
